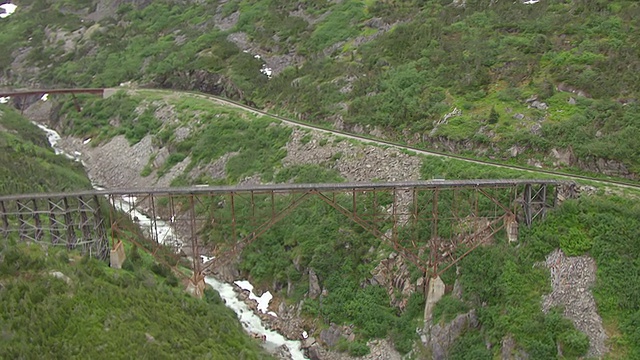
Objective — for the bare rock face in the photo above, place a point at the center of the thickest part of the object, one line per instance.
(564, 157)
(442, 336)
(571, 281)
(511, 351)
(607, 167)
(331, 335)
(314, 284)
(393, 274)
(199, 80)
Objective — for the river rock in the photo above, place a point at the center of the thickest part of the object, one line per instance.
(282, 353)
(331, 335)
(315, 352)
(308, 342)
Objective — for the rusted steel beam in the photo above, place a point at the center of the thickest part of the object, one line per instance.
(69, 225)
(101, 242)
(292, 188)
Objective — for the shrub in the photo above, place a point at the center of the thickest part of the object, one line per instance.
(575, 242)
(574, 343)
(359, 348)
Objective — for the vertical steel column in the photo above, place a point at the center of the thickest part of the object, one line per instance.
(5, 219)
(53, 222)
(102, 242)
(353, 205)
(434, 232)
(68, 222)
(233, 219)
(394, 233)
(113, 222)
(23, 224)
(414, 233)
(544, 200)
(253, 210)
(38, 223)
(154, 221)
(194, 240)
(84, 225)
(527, 204)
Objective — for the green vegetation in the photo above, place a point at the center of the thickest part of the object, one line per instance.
(98, 312)
(398, 66)
(490, 60)
(505, 286)
(57, 304)
(27, 162)
(219, 130)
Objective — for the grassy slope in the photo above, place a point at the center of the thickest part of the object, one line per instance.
(483, 57)
(100, 313)
(28, 164)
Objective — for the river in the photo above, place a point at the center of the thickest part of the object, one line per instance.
(249, 320)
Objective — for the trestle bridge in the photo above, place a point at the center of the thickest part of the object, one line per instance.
(432, 224)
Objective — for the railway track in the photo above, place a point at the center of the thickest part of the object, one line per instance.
(400, 146)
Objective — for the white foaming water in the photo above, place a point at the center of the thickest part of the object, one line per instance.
(250, 321)
(262, 301)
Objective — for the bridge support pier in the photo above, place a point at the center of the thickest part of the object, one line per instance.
(196, 285)
(435, 292)
(117, 256)
(511, 225)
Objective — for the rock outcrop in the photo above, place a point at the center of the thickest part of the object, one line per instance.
(571, 281)
(393, 274)
(442, 336)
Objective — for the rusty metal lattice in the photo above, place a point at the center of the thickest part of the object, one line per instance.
(432, 224)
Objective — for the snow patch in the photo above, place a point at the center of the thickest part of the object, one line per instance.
(266, 70)
(263, 301)
(8, 8)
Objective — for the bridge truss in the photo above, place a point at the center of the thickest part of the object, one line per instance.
(432, 224)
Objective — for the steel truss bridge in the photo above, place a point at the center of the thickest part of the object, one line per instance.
(432, 224)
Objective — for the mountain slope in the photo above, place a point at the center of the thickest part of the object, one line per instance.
(552, 83)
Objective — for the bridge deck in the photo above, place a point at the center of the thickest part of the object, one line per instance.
(357, 186)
